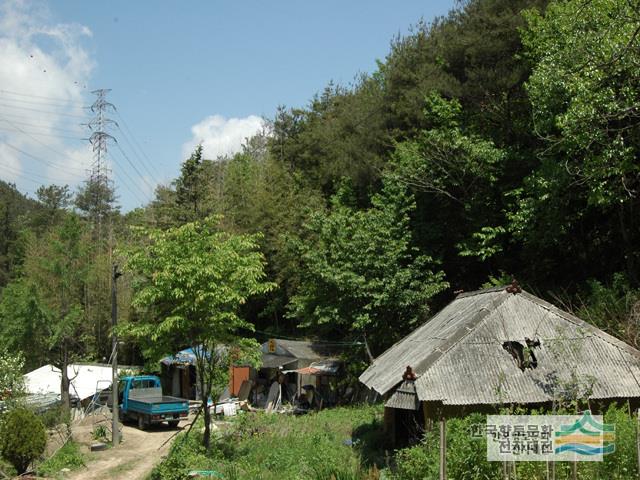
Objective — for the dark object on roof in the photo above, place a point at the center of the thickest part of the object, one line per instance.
(524, 356)
(408, 374)
(514, 287)
(459, 359)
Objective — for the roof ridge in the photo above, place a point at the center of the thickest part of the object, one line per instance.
(480, 291)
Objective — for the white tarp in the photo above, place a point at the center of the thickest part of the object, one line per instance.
(86, 380)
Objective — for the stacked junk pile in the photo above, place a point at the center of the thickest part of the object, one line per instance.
(294, 377)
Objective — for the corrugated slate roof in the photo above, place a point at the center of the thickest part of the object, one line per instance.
(405, 397)
(428, 342)
(301, 349)
(460, 359)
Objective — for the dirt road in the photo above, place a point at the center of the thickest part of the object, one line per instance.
(133, 459)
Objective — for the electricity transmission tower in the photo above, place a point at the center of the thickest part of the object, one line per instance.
(99, 186)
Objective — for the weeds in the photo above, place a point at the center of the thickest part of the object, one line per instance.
(69, 456)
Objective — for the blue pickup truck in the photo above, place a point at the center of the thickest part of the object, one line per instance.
(141, 400)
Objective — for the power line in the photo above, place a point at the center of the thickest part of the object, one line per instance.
(133, 166)
(46, 127)
(42, 134)
(46, 162)
(22, 176)
(132, 189)
(44, 103)
(64, 114)
(30, 117)
(21, 173)
(32, 96)
(126, 126)
(64, 155)
(317, 342)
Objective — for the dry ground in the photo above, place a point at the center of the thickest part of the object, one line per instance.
(133, 459)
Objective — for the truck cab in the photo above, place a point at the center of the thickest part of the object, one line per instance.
(140, 399)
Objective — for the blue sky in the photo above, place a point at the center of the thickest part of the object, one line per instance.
(180, 73)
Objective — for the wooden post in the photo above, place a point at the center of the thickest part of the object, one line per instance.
(574, 470)
(115, 431)
(638, 437)
(443, 448)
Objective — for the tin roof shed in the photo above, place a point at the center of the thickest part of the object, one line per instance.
(500, 346)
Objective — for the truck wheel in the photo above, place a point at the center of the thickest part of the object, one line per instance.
(142, 424)
(173, 423)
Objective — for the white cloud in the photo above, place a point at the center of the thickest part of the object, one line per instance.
(220, 136)
(44, 70)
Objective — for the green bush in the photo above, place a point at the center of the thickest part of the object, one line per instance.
(100, 432)
(314, 446)
(22, 438)
(466, 456)
(329, 444)
(69, 456)
(613, 307)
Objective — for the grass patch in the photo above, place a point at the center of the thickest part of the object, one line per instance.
(69, 456)
(340, 443)
(117, 472)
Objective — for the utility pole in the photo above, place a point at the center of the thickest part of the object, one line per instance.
(115, 432)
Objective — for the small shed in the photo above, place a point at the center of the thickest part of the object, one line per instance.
(178, 374)
(85, 380)
(295, 363)
(494, 347)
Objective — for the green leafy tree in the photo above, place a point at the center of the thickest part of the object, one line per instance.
(190, 283)
(15, 212)
(56, 264)
(24, 321)
(585, 90)
(190, 187)
(445, 160)
(456, 175)
(96, 201)
(55, 200)
(585, 93)
(360, 276)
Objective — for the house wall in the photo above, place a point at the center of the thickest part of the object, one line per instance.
(236, 377)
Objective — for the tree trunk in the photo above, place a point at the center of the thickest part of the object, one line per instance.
(64, 381)
(204, 393)
(366, 346)
(206, 439)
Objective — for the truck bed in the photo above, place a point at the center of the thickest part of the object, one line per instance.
(162, 399)
(152, 402)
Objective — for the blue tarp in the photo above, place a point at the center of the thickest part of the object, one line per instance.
(183, 357)
(188, 356)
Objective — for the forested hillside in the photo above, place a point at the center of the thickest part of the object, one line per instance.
(500, 141)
